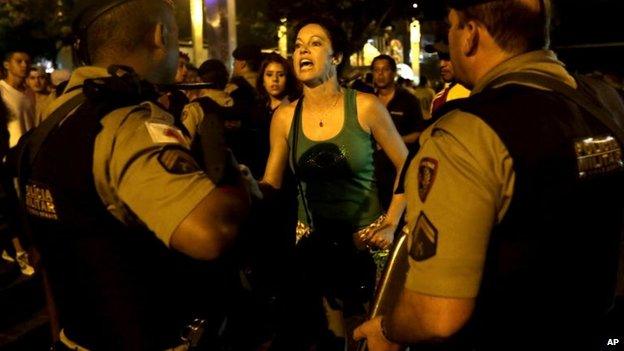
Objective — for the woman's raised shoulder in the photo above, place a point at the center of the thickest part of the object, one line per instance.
(283, 116)
(366, 100)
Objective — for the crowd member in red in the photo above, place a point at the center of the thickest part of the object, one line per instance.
(452, 89)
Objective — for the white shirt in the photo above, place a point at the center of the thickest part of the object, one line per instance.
(21, 112)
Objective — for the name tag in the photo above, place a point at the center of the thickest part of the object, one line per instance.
(40, 202)
(597, 156)
(165, 134)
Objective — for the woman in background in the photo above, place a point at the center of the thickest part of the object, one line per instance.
(276, 84)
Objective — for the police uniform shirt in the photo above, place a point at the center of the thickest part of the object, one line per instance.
(141, 168)
(458, 187)
(193, 115)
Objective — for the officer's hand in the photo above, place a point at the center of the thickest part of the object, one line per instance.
(375, 340)
(383, 236)
(250, 182)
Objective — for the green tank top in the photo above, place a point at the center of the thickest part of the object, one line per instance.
(337, 175)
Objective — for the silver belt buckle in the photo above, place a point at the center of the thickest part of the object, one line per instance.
(192, 333)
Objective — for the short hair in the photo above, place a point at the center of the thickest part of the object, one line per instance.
(213, 71)
(386, 58)
(292, 89)
(9, 55)
(251, 54)
(122, 28)
(37, 69)
(336, 34)
(514, 26)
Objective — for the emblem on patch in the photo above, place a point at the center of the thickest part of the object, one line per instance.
(424, 239)
(427, 170)
(177, 160)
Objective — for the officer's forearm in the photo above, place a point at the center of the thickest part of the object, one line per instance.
(213, 225)
(422, 318)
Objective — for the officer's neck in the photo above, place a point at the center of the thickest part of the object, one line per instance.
(486, 61)
(142, 68)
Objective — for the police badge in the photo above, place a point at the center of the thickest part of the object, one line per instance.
(427, 170)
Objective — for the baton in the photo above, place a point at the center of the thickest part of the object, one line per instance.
(391, 282)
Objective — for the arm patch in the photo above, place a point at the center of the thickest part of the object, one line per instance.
(177, 160)
(424, 239)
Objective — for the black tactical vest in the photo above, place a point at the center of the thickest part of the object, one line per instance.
(551, 264)
(116, 286)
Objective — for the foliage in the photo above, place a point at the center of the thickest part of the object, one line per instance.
(33, 26)
(362, 19)
(255, 23)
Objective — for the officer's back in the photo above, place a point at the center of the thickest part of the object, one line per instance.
(118, 208)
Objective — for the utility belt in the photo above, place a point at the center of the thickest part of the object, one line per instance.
(189, 339)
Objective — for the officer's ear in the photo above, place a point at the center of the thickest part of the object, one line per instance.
(161, 35)
(471, 38)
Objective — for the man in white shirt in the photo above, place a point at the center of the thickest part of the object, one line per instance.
(14, 94)
(20, 118)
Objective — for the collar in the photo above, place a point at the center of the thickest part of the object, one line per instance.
(540, 61)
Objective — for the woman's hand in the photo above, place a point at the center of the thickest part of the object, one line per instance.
(379, 234)
(383, 236)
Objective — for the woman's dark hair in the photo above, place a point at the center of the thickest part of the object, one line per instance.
(292, 89)
(336, 35)
(213, 71)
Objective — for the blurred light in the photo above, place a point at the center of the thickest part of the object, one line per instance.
(47, 65)
(415, 5)
(197, 28)
(283, 19)
(415, 55)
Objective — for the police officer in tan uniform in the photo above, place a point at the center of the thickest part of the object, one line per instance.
(514, 200)
(119, 210)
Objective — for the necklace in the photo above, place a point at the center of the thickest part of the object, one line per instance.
(321, 123)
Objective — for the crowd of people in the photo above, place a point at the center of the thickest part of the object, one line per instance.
(245, 213)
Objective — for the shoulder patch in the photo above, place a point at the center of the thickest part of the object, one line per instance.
(177, 160)
(165, 134)
(424, 239)
(157, 114)
(427, 169)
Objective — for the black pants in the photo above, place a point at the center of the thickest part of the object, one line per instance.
(329, 267)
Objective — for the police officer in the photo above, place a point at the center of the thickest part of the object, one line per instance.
(514, 199)
(118, 208)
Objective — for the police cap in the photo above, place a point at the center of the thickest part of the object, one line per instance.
(462, 4)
